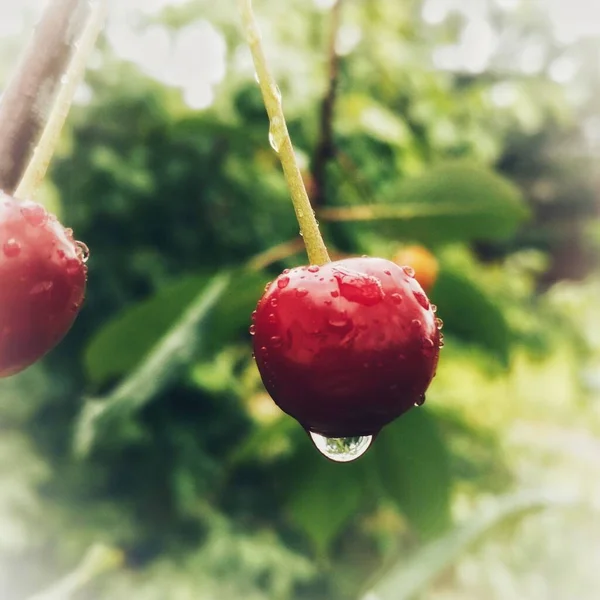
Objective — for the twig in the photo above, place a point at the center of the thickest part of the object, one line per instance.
(44, 150)
(27, 101)
(325, 150)
(280, 141)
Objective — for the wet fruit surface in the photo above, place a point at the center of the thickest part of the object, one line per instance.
(42, 282)
(347, 347)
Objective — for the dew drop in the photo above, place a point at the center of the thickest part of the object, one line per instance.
(83, 251)
(276, 92)
(11, 248)
(420, 401)
(439, 323)
(253, 316)
(35, 214)
(268, 285)
(327, 302)
(441, 340)
(359, 287)
(409, 271)
(301, 292)
(433, 308)
(397, 298)
(252, 329)
(276, 341)
(421, 299)
(272, 318)
(344, 449)
(283, 281)
(273, 302)
(387, 272)
(285, 271)
(415, 324)
(276, 134)
(313, 268)
(338, 320)
(427, 343)
(40, 288)
(334, 294)
(73, 266)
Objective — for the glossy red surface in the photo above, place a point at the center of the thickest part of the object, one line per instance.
(347, 347)
(42, 283)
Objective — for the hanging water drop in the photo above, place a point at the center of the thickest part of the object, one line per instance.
(420, 401)
(83, 251)
(344, 449)
(272, 141)
(276, 133)
(276, 92)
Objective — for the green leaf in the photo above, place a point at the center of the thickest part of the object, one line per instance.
(452, 202)
(412, 576)
(361, 114)
(470, 315)
(126, 339)
(156, 371)
(123, 342)
(413, 467)
(324, 496)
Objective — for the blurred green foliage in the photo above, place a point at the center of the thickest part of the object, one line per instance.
(148, 429)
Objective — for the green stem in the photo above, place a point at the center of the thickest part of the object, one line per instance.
(38, 165)
(280, 141)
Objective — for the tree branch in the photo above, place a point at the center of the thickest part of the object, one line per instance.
(27, 101)
(325, 150)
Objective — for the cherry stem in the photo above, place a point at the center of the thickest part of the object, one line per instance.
(279, 138)
(42, 154)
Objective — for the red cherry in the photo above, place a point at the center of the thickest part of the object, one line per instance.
(42, 282)
(347, 347)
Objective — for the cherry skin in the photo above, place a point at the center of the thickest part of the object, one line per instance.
(347, 347)
(42, 282)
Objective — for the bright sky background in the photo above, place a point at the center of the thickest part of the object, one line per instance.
(195, 59)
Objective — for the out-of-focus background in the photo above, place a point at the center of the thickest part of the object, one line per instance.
(473, 127)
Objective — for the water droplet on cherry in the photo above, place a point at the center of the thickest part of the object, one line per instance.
(252, 329)
(35, 214)
(338, 320)
(409, 271)
(397, 298)
(283, 281)
(83, 251)
(344, 449)
(421, 299)
(301, 292)
(11, 248)
(313, 269)
(420, 401)
(40, 288)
